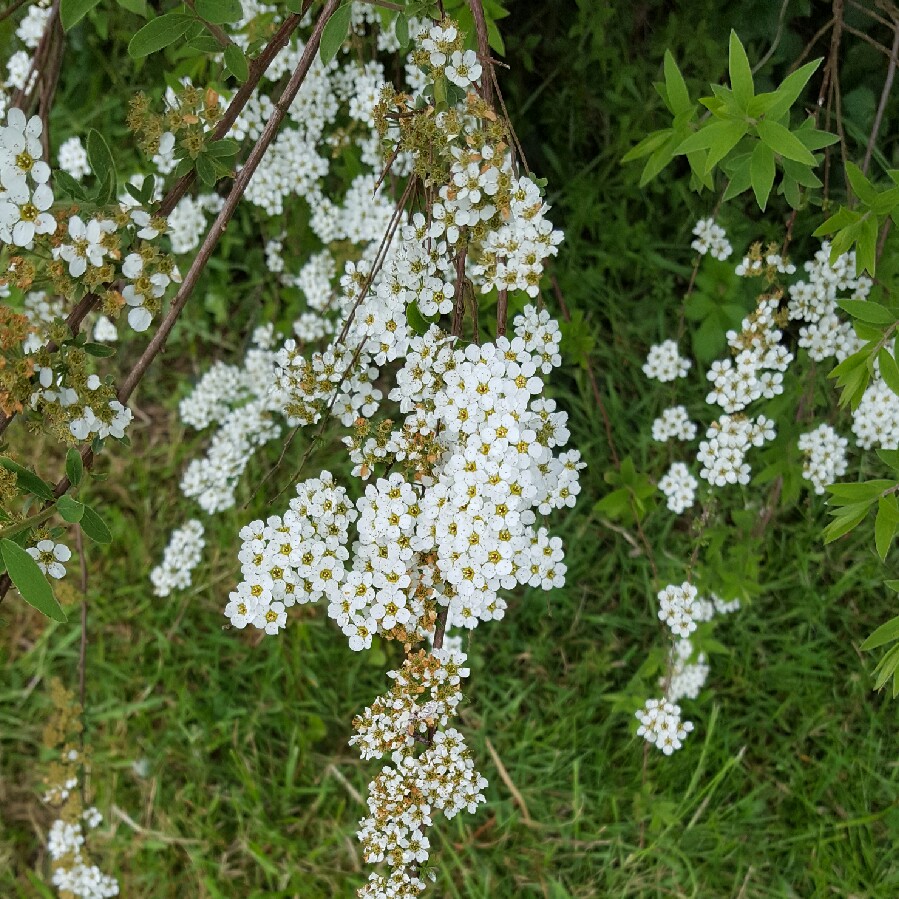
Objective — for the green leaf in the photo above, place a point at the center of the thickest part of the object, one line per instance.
(71, 12)
(868, 311)
(236, 63)
(648, 145)
(219, 12)
(866, 246)
(205, 169)
(886, 633)
(335, 32)
(28, 481)
(863, 188)
(222, 149)
(139, 7)
(740, 178)
(70, 509)
(159, 33)
(790, 89)
(885, 524)
(784, 142)
(74, 466)
(740, 72)
(100, 157)
(761, 169)
(401, 30)
(99, 350)
(30, 581)
(886, 667)
(94, 526)
(726, 138)
(675, 87)
(889, 370)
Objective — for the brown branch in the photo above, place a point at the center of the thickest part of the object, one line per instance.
(12, 8)
(217, 32)
(884, 96)
(24, 96)
(480, 24)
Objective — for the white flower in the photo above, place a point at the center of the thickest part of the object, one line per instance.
(50, 556)
(24, 214)
(463, 68)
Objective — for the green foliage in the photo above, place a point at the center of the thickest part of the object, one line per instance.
(29, 580)
(28, 481)
(71, 12)
(159, 33)
(747, 136)
(860, 227)
(74, 467)
(335, 32)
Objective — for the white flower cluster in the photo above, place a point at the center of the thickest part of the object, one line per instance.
(462, 529)
(678, 608)
(73, 875)
(875, 421)
(759, 361)
(50, 556)
(182, 555)
(679, 487)
(404, 797)
(25, 196)
(72, 158)
(662, 726)
(728, 440)
(674, 424)
(711, 239)
(825, 456)
(688, 676)
(664, 362)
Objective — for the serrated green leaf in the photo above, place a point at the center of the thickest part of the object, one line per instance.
(783, 142)
(889, 370)
(74, 466)
(649, 144)
(159, 33)
(236, 62)
(401, 30)
(71, 12)
(70, 509)
(205, 169)
(94, 526)
(762, 173)
(863, 188)
(740, 72)
(30, 581)
(335, 32)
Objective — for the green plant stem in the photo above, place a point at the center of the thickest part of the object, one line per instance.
(30, 522)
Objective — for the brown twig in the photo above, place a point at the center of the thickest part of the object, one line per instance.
(480, 24)
(884, 97)
(217, 32)
(12, 8)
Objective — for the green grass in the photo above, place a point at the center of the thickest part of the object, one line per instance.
(221, 761)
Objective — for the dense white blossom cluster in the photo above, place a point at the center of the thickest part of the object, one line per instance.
(673, 424)
(679, 487)
(875, 421)
(664, 362)
(711, 239)
(72, 158)
(73, 874)
(825, 456)
(728, 440)
(662, 726)
(678, 608)
(182, 555)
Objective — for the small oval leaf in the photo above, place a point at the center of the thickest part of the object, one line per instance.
(30, 580)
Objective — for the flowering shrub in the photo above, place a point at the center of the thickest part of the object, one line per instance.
(406, 242)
